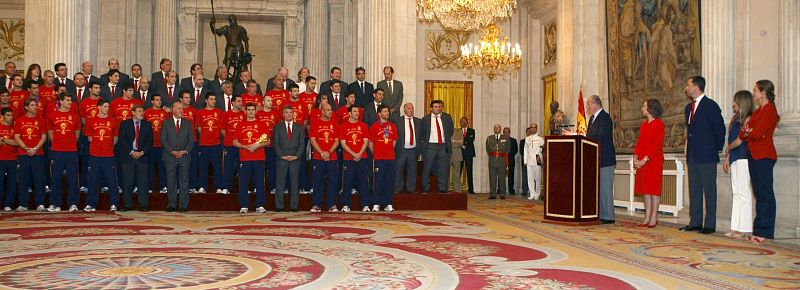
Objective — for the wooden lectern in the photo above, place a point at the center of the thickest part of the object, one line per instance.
(572, 173)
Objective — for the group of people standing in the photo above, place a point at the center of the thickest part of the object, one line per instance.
(749, 152)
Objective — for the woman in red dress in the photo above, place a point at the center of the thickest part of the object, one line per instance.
(649, 160)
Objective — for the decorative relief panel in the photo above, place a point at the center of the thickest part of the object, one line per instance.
(443, 50)
(12, 39)
(550, 41)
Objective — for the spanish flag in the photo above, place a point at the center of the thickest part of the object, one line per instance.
(580, 127)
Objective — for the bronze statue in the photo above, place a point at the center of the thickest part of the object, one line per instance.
(237, 46)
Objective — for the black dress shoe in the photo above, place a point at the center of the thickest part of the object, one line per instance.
(491, 197)
(278, 210)
(707, 231)
(512, 193)
(144, 209)
(170, 209)
(445, 191)
(182, 210)
(605, 222)
(690, 229)
(294, 210)
(471, 192)
(502, 197)
(124, 209)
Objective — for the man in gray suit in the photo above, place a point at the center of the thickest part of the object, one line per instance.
(288, 143)
(177, 142)
(394, 91)
(437, 145)
(407, 152)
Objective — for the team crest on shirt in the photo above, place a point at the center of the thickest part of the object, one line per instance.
(210, 125)
(156, 123)
(63, 128)
(278, 101)
(102, 134)
(29, 131)
(125, 114)
(354, 137)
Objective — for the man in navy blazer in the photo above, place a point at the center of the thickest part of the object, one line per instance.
(705, 139)
(135, 142)
(158, 79)
(601, 129)
(113, 88)
(407, 150)
(437, 145)
(325, 87)
(61, 77)
(362, 88)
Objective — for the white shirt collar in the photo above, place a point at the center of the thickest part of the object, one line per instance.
(597, 113)
(699, 98)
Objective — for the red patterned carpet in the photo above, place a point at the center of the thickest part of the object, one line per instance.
(494, 245)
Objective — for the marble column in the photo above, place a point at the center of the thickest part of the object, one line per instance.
(788, 96)
(165, 36)
(57, 32)
(380, 34)
(336, 35)
(316, 44)
(349, 49)
(719, 51)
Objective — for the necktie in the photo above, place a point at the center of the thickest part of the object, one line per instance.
(80, 94)
(178, 126)
(591, 119)
(390, 87)
(113, 90)
(464, 132)
(336, 99)
(164, 78)
(438, 130)
(362, 87)
(144, 97)
(136, 138)
(197, 96)
(135, 85)
(497, 137)
(62, 82)
(229, 103)
(691, 114)
(410, 136)
(170, 93)
(289, 130)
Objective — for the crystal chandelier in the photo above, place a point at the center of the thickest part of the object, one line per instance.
(464, 15)
(491, 57)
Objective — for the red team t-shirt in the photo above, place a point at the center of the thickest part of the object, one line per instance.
(156, 119)
(249, 132)
(308, 99)
(280, 98)
(17, 100)
(314, 116)
(53, 107)
(190, 113)
(300, 113)
(7, 152)
(353, 135)
(121, 108)
(270, 119)
(231, 120)
(254, 99)
(381, 136)
(325, 132)
(209, 123)
(102, 131)
(64, 126)
(30, 130)
(48, 93)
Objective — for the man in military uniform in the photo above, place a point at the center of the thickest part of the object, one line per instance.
(497, 149)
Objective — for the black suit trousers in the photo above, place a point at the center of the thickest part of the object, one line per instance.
(139, 168)
(468, 165)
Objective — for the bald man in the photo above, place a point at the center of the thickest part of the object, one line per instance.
(283, 72)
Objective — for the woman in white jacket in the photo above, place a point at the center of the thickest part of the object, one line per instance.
(533, 160)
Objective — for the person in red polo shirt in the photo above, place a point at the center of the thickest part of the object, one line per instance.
(190, 113)
(209, 127)
(269, 116)
(325, 140)
(8, 157)
(354, 140)
(88, 110)
(17, 95)
(41, 103)
(251, 94)
(102, 133)
(280, 96)
(309, 97)
(761, 155)
(64, 127)
(47, 90)
(251, 137)
(30, 133)
(382, 139)
(156, 115)
(343, 113)
(230, 162)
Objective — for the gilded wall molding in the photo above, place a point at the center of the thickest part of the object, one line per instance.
(12, 39)
(443, 50)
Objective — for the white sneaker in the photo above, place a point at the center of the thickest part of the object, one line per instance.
(285, 191)
(219, 190)
(22, 208)
(272, 191)
(376, 208)
(8, 208)
(201, 190)
(333, 209)
(345, 209)
(353, 192)
(365, 209)
(88, 208)
(315, 209)
(53, 208)
(41, 208)
(113, 208)
(104, 189)
(243, 210)
(47, 188)
(261, 209)
(249, 192)
(136, 189)
(149, 191)
(84, 189)
(389, 208)
(119, 189)
(192, 190)
(73, 208)
(163, 190)
(225, 191)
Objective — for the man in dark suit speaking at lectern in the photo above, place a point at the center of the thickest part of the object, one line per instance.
(601, 129)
